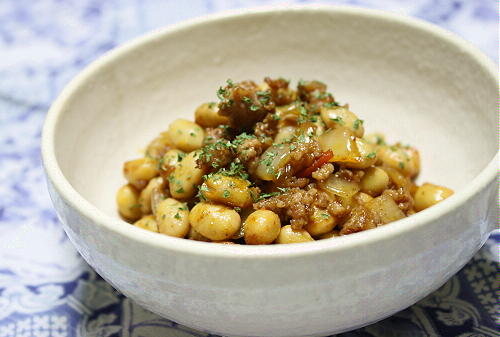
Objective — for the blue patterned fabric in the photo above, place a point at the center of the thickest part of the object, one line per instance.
(46, 289)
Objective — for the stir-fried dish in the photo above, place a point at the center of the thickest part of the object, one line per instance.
(270, 164)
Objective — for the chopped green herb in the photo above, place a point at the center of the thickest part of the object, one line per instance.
(292, 147)
(192, 134)
(283, 189)
(325, 215)
(237, 209)
(177, 216)
(380, 140)
(230, 82)
(222, 93)
(371, 155)
(338, 119)
(267, 195)
(160, 163)
(180, 190)
(211, 105)
(331, 104)
(357, 123)
(401, 165)
(135, 206)
(226, 194)
(254, 107)
(393, 148)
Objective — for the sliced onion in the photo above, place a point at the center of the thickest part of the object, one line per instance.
(338, 186)
(272, 160)
(347, 149)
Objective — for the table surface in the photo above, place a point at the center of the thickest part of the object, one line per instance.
(46, 289)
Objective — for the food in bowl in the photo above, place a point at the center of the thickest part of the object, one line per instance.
(270, 164)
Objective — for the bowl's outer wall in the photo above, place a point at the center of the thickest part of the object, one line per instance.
(327, 291)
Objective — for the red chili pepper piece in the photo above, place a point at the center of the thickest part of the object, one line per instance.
(325, 158)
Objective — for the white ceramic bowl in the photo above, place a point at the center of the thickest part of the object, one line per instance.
(406, 78)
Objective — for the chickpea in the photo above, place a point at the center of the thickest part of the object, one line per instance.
(231, 191)
(158, 194)
(171, 158)
(127, 199)
(375, 138)
(194, 235)
(147, 222)
(329, 235)
(186, 177)
(173, 218)
(159, 146)
(261, 227)
(430, 194)
(138, 172)
(207, 115)
(145, 195)
(375, 181)
(404, 159)
(320, 222)
(216, 222)
(288, 235)
(186, 135)
(341, 115)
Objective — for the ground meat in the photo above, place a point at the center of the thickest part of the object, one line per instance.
(304, 154)
(323, 172)
(248, 151)
(403, 198)
(291, 181)
(280, 93)
(314, 93)
(267, 128)
(361, 219)
(296, 205)
(216, 155)
(212, 135)
(243, 105)
(350, 175)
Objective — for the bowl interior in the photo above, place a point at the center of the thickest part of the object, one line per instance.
(404, 81)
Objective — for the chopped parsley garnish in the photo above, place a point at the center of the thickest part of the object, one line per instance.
(180, 190)
(263, 96)
(371, 155)
(331, 104)
(226, 194)
(177, 216)
(401, 165)
(267, 195)
(338, 119)
(325, 215)
(380, 140)
(230, 82)
(222, 93)
(357, 123)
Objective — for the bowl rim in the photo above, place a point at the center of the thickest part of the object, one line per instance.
(178, 245)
